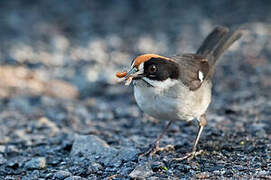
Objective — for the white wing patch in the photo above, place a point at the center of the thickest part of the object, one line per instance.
(201, 76)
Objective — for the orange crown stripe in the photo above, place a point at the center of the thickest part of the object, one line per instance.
(145, 57)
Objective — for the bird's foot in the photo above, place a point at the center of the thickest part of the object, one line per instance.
(189, 156)
(155, 149)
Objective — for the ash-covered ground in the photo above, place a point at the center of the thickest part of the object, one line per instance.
(62, 116)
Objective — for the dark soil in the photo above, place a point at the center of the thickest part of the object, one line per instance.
(62, 115)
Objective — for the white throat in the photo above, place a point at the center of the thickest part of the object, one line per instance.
(162, 85)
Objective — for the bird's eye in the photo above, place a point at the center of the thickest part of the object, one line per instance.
(152, 69)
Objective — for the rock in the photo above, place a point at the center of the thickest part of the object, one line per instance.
(95, 167)
(158, 166)
(184, 168)
(2, 159)
(141, 172)
(93, 148)
(75, 178)
(263, 174)
(132, 111)
(62, 175)
(22, 78)
(61, 89)
(105, 115)
(36, 163)
(2, 148)
(12, 148)
(43, 121)
(20, 103)
(203, 175)
(127, 168)
(31, 175)
(10, 178)
(97, 150)
(128, 154)
(258, 128)
(13, 163)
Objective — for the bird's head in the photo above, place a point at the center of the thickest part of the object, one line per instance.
(154, 69)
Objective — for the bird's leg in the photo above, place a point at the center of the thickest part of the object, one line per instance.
(155, 145)
(190, 156)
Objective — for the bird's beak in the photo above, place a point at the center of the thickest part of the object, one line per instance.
(131, 73)
(128, 77)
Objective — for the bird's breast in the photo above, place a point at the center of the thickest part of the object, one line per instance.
(175, 103)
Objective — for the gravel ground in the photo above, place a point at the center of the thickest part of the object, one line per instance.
(64, 117)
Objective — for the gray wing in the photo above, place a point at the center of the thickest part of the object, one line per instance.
(193, 70)
(199, 67)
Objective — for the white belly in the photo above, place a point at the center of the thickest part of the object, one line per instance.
(170, 104)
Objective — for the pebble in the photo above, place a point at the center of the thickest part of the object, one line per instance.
(141, 172)
(36, 163)
(13, 163)
(10, 178)
(95, 167)
(132, 111)
(2, 148)
(31, 175)
(203, 175)
(90, 147)
(158, 166)
(75, 178)
(96, 150)
(12, 149)
(61, 175)
(263, 174)
(184, 168)
(128, 154)
(2, 159)
(20, 103)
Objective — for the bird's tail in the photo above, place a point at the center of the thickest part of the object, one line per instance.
(217, 42)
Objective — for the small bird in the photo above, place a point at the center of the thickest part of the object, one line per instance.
(178, 87)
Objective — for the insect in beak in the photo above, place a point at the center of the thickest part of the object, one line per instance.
(131, 73)
(128, 77)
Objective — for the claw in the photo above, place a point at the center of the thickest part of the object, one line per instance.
(155, 149)
(167, 148)
(189, 156)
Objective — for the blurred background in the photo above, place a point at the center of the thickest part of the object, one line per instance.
(79, 45)
(57, 73)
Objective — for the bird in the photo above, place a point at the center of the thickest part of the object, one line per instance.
(179, 87)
